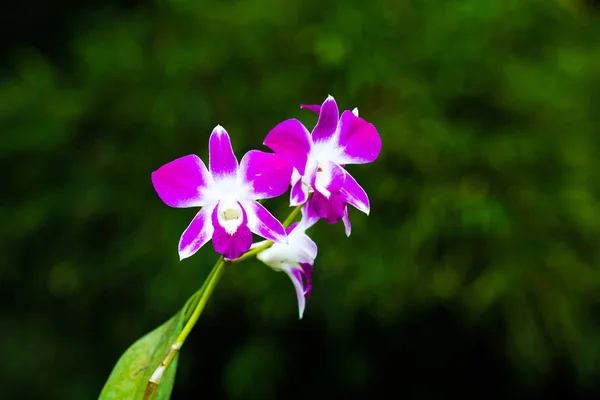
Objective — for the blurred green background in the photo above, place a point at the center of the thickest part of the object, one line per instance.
(477, 272)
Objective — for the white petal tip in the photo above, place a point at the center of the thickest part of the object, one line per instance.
(183, 255)
(219, 130)
(355, 111)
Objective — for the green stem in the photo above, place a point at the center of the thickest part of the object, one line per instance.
(212, 280)
(204, 292)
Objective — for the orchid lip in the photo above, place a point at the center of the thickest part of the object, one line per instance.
(230, 216)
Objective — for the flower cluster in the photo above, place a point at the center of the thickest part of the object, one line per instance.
(227, 192)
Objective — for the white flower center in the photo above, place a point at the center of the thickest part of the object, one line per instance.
(232, 213)
(230, 216)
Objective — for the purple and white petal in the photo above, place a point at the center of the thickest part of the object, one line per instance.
(267, 174)
(316, 108)
(299, 193)
(231, 243)
(263, 223)
(347, 224)
(354, 194)
(328, 121)
(181, 182)
(198, 232)
(291, 140)
(332, 209)
(296, 277)
(329, 178)
(221, 160)
(294, 271)
(307, 271)
(309, 215)
(229, 215)
(359, 141)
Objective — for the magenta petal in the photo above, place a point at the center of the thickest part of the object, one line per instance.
(198, 232)
(221, 160)
(268, 174)
(332, 209)
(299, 193)
(307, 270)
(354, 194)
(263, 223)
(359, 140)
(328, 121)
(291, 140)
(336, 177)
(309, 215)
(316, 108)
(290, 228)
(231, 246)
(180, 183)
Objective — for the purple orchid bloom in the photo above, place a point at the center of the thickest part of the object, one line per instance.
(319, 159)
(227, 196)
(295, 258)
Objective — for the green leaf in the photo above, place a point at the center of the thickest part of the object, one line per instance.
(130, 375)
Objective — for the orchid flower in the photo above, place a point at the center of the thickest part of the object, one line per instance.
(319, 159)
(227, 195)
(295, 258)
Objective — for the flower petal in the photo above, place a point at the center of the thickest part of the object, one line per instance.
(296, 278)
(222, 161)
(354, 194)
(316, 108)
(328, 121)
(309, 215)
(359, 141)
(198, 232)
(300, 240)
(300, 248)
(299, 193)
(307, 271)
(181, 182)
(291, 140)
(347, 224)
(329, 178)
(332, 209)
(296, 272)
(263, 223)
(268, 174)
(231, 245)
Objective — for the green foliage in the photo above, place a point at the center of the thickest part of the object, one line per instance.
(129, 378)
(485, 196)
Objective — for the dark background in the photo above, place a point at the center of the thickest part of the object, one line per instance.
(476, 274)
